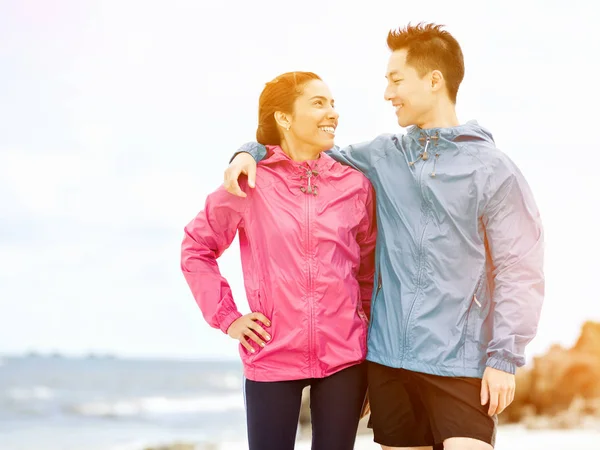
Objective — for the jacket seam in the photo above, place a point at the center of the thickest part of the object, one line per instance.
(422, 363)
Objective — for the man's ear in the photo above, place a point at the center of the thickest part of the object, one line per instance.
(437, 80)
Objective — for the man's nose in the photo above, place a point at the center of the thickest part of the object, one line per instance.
(388, 94)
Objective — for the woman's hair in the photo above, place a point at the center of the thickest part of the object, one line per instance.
(279, 95)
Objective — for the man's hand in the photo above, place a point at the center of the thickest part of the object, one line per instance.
(247, 327)
(242, 163)
(497, 388)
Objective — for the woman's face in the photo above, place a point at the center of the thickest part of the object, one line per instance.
(314, 119)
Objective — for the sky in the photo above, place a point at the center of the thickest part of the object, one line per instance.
(118, 118)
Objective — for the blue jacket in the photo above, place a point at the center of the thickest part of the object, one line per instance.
(459, 277)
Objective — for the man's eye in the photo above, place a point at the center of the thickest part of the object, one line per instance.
(319, 102)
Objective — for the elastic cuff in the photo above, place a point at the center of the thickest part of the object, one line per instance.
(228, 320)
(501, 364)
(256, 150)
(238, 152)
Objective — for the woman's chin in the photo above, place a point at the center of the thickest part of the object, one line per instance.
(328, 143)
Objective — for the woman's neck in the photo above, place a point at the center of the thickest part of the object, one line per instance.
(300, 153)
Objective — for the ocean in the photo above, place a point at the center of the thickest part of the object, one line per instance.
(102, 403)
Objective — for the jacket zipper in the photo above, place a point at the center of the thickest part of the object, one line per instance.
(310, 281)
(420, 266)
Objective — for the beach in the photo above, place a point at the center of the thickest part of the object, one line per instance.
(103, 403)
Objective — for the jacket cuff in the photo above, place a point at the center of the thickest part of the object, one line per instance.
(501, 364)
(256, 150)
(228, 319)
(237, 153)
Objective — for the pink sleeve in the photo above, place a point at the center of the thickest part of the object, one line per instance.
(206, 238)
(366, 238)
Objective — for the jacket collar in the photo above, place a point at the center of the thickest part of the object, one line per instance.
(470, 130)
(275, 154)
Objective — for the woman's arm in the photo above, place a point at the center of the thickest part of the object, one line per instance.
(206, 238)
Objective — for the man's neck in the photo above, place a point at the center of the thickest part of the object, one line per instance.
(443, 115)
(300, 153)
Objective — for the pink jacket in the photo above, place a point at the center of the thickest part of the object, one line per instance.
(307, 239)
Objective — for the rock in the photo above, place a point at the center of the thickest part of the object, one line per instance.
(589, 340)
(562, 387)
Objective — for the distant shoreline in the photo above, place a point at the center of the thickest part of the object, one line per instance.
(112, 356)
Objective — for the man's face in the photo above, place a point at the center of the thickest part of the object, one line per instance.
(410, 94)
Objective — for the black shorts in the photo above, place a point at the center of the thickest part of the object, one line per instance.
(412, 409)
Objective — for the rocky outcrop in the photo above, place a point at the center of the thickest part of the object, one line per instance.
(561, 389)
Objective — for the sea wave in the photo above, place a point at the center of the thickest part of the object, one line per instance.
(159, 406)
(31, 393)
(227, 381)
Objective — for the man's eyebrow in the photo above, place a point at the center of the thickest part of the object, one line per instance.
(392, 73)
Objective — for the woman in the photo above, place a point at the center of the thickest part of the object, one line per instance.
(307, 237)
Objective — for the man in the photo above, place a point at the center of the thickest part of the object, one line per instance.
(459, 272)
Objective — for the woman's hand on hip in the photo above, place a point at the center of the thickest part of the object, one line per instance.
(247, 327)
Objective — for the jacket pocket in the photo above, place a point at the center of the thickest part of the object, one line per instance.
(362, 315)
(375, 297)
(364, 321)
(477, 312)
(477, 294)
(258, 305)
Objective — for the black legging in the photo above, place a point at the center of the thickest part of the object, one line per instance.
(273, 409)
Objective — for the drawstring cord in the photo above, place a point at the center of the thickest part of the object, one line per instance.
(425, 155)
(432, 174)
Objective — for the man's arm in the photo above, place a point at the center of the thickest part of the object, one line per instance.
(361, 157)
(516, 240)
(256, 150)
